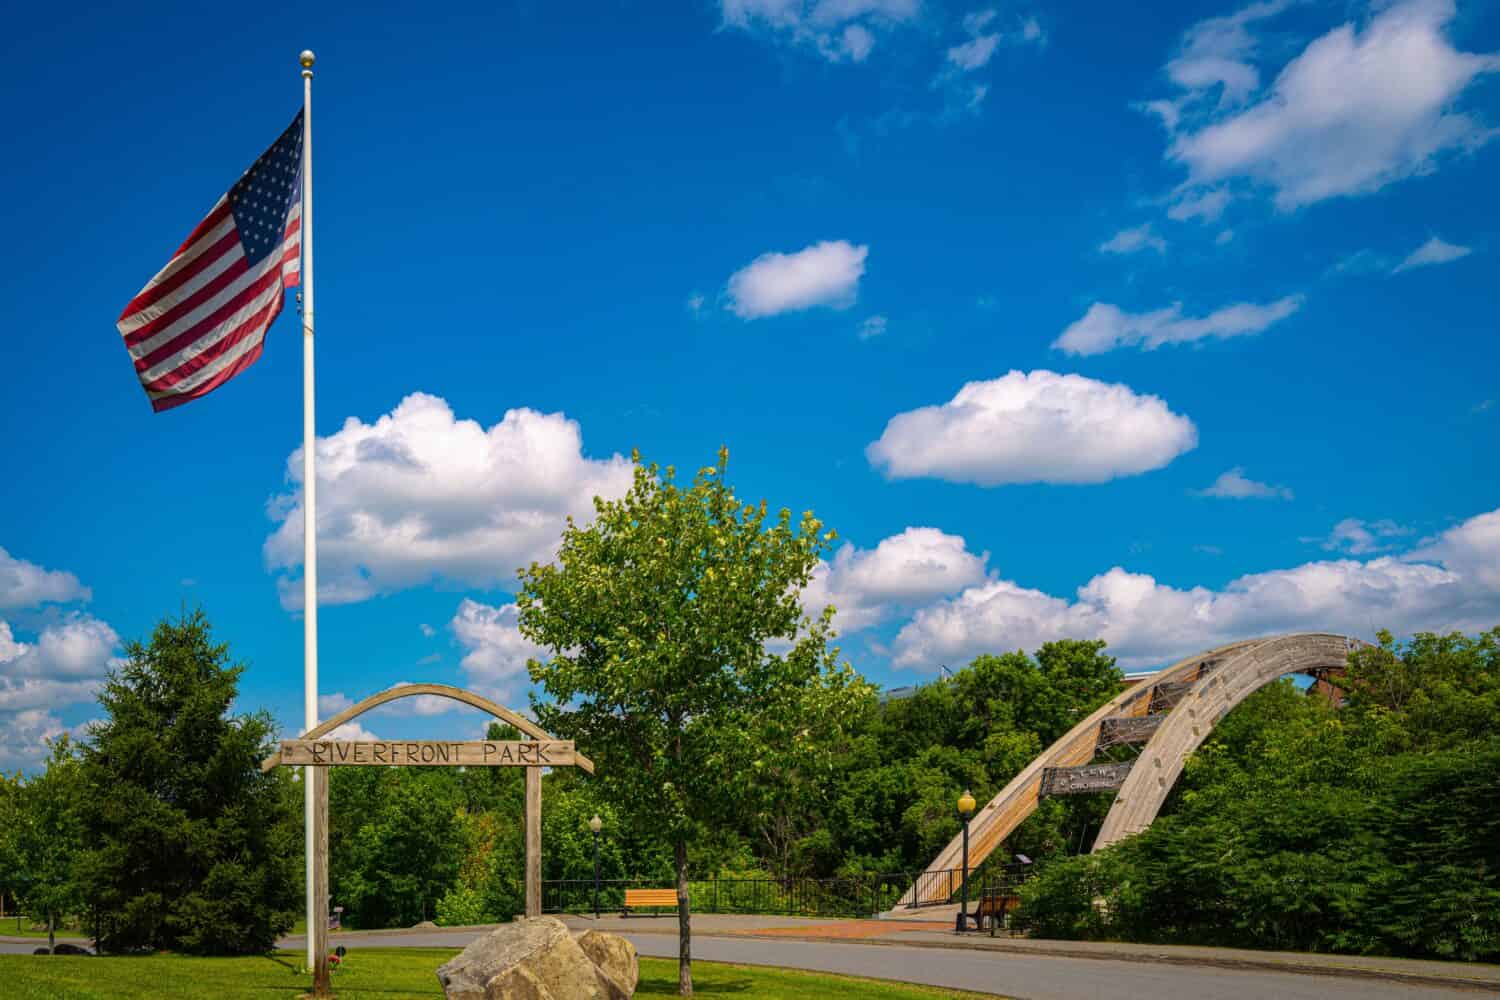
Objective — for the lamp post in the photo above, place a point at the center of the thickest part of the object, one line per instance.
(596, 824)
(965, 811)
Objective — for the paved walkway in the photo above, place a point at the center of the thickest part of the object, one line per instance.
(926, 952)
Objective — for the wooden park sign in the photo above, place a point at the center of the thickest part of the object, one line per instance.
(427, 753)
(315, 752)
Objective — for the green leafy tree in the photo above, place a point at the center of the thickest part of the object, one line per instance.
(401, 856)
(48, 839)
(681, 659)
(191, 847)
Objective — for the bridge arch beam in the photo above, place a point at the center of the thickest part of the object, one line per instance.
(1193, 718)
(1218, 680)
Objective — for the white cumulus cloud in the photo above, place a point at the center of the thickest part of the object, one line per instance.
(1036, 427)
(421, 494)
(1359, 108)
(1106, 327)
(332, 704)
(866, 586)
(62, 666)
(352, 732)
(25, 584)
(80, 646)
(26, 734)
(1452, 583)
(824, 274)
(496, 651)
(1235, 485)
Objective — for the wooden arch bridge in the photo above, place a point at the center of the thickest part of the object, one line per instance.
(1168, 714)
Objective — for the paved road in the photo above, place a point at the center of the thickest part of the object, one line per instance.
(1023, 976)
(18, 946)
(1036, 978)
(1028, 977)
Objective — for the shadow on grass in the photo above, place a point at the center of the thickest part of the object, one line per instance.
(662, 986)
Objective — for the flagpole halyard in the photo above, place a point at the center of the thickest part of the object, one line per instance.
(315, 918)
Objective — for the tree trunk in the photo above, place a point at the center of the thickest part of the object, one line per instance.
(684, 926)
(51, 936)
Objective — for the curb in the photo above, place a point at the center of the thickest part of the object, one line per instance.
(1145, 956)
(1159, 958)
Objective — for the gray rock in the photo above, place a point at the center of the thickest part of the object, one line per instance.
(532, 958)
(614, 956)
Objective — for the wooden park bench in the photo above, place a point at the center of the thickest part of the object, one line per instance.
(640, 898)
(996, 907)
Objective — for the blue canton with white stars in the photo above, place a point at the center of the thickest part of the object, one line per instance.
(262, 198)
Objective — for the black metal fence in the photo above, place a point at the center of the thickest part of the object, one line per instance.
(862, 895)
(941, 886)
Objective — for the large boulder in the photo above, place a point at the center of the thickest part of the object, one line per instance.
(537, 958)
(614, 956)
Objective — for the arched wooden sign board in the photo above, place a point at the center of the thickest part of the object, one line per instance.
(315, 753)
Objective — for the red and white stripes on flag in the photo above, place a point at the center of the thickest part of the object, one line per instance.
(203, 319)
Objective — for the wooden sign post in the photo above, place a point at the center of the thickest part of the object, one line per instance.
(316, 752)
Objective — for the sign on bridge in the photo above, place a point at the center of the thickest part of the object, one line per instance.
(430, 753)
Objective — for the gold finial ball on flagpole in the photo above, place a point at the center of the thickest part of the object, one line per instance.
(306, 58)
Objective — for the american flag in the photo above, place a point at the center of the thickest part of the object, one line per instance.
(201, 321)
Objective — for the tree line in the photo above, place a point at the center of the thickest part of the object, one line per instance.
(732, 739)
(1373, 827)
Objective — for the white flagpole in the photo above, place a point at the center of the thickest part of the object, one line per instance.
(309, 509)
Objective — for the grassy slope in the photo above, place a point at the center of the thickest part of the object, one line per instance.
(386, 973)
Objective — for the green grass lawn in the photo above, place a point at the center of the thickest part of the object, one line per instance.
(387, 974)
(10, 927)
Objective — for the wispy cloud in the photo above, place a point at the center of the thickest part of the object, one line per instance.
(837, 30)
(1106, 327)
(1235, 485)
(1142, 237)
(1331, 123)
(1359, 538)
(1434, 251)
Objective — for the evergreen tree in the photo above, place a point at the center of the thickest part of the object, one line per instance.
(191, 847)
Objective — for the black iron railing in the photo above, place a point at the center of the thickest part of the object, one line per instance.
(861, 895)
(941, 886)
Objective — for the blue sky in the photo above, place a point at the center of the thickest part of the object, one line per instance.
(1169, 325)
